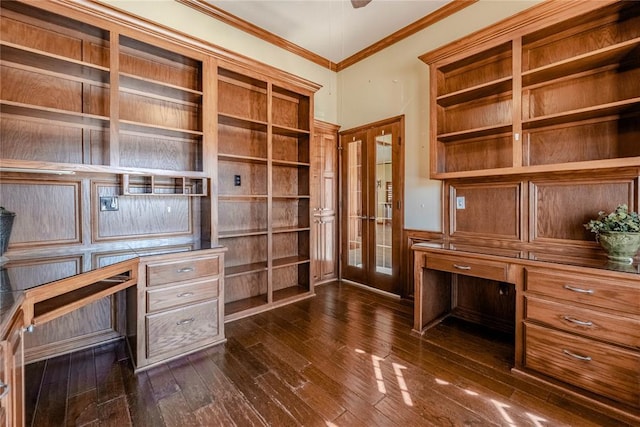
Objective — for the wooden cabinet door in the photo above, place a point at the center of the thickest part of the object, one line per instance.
(324, 202)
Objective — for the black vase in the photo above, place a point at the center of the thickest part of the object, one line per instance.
(6, 223)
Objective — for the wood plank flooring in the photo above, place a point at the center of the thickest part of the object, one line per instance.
(343, 358)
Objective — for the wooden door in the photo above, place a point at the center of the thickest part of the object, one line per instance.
(324, 201)
(372, 195)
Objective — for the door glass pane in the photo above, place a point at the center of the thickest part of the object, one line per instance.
(355, 203)
(384, 203)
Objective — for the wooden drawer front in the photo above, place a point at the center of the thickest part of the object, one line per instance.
(179, 271)
(484, 269)
(164, 298)
(618, 296)
(176, 330)
(602, 368)
(591, 323)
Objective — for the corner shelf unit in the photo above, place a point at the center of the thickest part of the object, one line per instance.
(264, 131)
(517, 99)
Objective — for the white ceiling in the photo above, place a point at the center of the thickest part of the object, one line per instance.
(332, 29)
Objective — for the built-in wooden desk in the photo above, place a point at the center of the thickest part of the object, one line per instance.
(174, 306)
(575, 326)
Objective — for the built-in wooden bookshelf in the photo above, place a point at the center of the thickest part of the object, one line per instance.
(264, 131)
(561, 97)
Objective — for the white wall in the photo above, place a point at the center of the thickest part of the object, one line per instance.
(388, 84)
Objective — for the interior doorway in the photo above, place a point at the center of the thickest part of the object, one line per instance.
(372, 192)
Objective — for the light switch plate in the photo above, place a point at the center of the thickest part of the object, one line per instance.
(460, 204)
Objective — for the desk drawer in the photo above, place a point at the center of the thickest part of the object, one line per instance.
(601, 368)
(608, 293)
(179, 271)
(590, 323)
(174, 296)
(177, 330)
(491, 270)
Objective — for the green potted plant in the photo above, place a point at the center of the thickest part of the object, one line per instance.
(618, 233)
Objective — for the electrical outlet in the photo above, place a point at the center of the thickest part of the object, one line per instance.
(460, 202)
(109, 203)
(237, 181)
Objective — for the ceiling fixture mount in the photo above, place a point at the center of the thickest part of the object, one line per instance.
(359, 3)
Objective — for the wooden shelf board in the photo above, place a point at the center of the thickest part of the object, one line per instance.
(288, 163)
(151, 129)
(242, 233)
(243, 159)
(289, 229)
(241, 122)
(475, 133)
(523, 170)
(241, 196)
(495, 87)
(238, 270)
(53, 114)
(244, 304)
(169, 91)
(620, 107)
(48, 63)
(587, 61)
(288, 261)
(290, 292)
(290, 196)
(287, 131)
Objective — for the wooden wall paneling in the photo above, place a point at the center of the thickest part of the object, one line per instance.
(55, 207)
(492, 210)
(558, 208)
(142, 216)
(486, 302)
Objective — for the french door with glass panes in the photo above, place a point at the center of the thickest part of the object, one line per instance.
(372, 215)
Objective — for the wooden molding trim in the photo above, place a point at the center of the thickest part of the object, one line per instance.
(547, 12)
(326, 126)
(419, 25)
(254, 30)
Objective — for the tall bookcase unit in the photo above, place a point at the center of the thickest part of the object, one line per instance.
(263, 183)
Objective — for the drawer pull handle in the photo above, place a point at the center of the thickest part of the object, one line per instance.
(5, 389)
(185, 321)
(185, 270)
(185, 294)
(462, 267)
(578, 322)
(579, 290)
(576, 356)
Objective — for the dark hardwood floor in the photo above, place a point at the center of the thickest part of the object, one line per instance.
(343, 358)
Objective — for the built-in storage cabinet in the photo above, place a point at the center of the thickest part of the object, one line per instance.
(263, 180)
(177, 306)
(560, 97)
(80, 97)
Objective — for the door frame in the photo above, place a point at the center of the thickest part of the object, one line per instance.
(394, 285)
